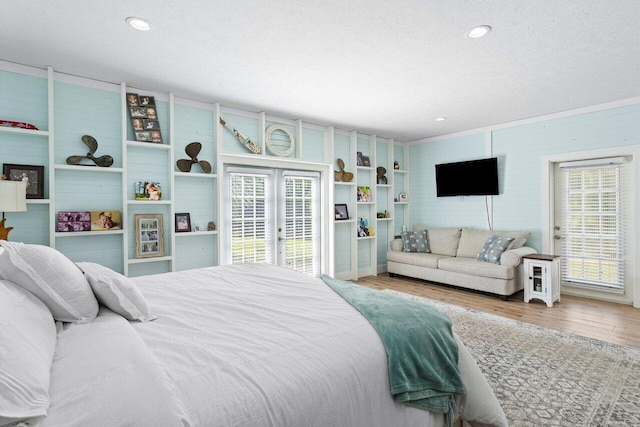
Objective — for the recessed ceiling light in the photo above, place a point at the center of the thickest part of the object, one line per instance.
(441, 119)
(479, 31)
(139, 23)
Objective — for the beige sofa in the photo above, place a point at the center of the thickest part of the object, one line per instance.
(453, 260)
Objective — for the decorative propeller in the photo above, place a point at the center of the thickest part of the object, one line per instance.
(102, 161)
(193, 149)
(342, 175)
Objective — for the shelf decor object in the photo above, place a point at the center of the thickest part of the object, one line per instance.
(149, 235)
(144, 118)
(183, 222)
(12, 199)
(363, 194)
(19, 125)
(32, 176)
(73, 221)
(342, 213)
(381, 171)
(105, 220)
(193, 149)
(342, 175)
(250, 145)
(147, 190)
(287, 143)
(102, 161)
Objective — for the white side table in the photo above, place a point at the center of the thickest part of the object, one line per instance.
(542, 278)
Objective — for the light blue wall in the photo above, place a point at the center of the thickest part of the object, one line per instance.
(519, 150)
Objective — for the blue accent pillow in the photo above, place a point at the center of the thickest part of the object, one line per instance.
(493, 248)
(415, 241)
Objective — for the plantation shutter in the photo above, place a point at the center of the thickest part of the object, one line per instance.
(302, 218)
(592, 224)
(251, 210)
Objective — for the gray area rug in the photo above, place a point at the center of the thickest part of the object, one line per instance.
(543, 377)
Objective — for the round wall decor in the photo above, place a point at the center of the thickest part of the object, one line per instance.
(280, 140)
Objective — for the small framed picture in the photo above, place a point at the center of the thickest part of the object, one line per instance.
(151, 124)
(152, 113)
(365, 161)
(156, 136)
(138, 112)
(105, 220)
(359, 159)
(149, 235)
(403, 197)
(363, 194)
(183, 222)
(32, 175)
(133, 100)
(147, 190)
(137, 124)
(342, 213)
(143, 136)
(73, 221)
(147, 101)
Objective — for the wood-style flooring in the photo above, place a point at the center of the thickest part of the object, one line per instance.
(605, 321)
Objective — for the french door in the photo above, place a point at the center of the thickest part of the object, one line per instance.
(274, 217)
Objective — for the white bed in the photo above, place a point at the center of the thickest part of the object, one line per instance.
(243, 345)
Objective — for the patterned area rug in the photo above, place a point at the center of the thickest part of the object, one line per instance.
(543, 377)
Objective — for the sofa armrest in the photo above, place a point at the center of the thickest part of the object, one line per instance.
(396, 245)
(513, 257)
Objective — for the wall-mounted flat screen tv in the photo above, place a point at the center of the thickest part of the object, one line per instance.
(470, 178)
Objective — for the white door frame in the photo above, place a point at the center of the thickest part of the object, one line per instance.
(548, 211)
(326, 199)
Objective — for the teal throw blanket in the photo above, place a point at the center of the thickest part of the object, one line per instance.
(421, 351)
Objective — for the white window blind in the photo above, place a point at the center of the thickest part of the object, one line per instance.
(592, 220)
(301, 214)
(251, 240)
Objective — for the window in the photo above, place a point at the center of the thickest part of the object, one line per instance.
(301, 224)
(592, 220)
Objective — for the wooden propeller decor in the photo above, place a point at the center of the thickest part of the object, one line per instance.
(102, 161)
(193, 149)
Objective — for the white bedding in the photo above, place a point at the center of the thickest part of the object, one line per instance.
(248, 345)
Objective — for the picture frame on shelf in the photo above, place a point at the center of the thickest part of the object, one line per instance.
(147, 101)
(144, 118)
(149, 235)
(147, 190)
(137, 124)
(156, 136)
(363, 194)
(143, 136)
(183, 222)
(33, 175)
(133, 100)
(364, 229)
(73, 221)
(342, 212)
(105, 220)
(365, 161)
(359, 159)
(138, 112)
(151, 124)
(403, 197)
(151, 113)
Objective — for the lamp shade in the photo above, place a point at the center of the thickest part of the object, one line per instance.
(13, 196)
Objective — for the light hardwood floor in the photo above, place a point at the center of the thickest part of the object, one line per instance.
(610, 322)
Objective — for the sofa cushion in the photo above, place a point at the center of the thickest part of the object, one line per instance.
(472, 240)
(415, 241)
(415, 258)
(476, 268)
(443, 241)
(493, 249)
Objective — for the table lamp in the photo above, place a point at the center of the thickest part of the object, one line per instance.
(13, 198)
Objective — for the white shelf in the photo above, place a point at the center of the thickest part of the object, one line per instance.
(195, 175)
(367, 238)
(88, 233)
(384, 185)
(149, 202)
(38, 201)
(148, 260)
(148, 145)
(92, 169)
(21, 131)
(365, 203)
(400, 171)
(351, 183)
(369, 168)
(197, 233)
(384, 219)
(400, 203)
(344, 221)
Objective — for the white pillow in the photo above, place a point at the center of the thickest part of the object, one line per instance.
(52, 277)
(27, 345)
(116, 292)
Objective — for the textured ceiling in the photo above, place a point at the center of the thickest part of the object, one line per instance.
(376, 66)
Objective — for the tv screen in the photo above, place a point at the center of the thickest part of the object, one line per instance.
(470, 178)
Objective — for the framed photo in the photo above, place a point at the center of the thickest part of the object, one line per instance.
(342, 213)
(151, 124)
(137, 124)
(156, 136)
(359, 159)
(143, 136)
(147, 190)
(138, 112)
(183, 222)
(32, 175)
(149, 235)
(403, 197)
(365, 161)
(133, 100)
(105, 220)
(147, 101)
(73, 221)
(363, 194)
(152, 113)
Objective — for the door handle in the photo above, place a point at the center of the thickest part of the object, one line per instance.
(280, 239)
(557, 237)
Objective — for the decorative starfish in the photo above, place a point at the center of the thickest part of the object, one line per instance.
(192, 150)
(102, 161)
